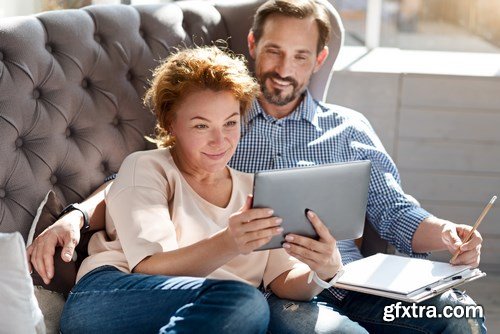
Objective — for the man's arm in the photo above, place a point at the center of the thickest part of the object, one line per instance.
(435, 234)
(66, 233)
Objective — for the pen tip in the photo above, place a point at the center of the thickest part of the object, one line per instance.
(493, 199)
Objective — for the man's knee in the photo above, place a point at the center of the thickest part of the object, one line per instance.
(460, 313)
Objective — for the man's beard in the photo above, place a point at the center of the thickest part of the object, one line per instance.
(273, 95)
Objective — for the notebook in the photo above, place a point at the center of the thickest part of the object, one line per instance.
(337, 193)
(404, 278)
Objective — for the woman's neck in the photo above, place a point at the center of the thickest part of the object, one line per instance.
(194, 174)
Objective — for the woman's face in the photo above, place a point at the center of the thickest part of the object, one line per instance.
(206, 129)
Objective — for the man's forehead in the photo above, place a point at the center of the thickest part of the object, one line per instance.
(279, 31)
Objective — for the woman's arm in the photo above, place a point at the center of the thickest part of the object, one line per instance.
(248, 229)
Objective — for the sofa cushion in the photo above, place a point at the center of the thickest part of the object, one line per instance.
(51, 303)
(19, 311)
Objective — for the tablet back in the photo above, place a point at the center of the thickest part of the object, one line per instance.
(337, 192)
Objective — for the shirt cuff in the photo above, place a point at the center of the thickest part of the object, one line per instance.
(409, 223)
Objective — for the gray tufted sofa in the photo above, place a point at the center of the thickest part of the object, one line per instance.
(71, 87)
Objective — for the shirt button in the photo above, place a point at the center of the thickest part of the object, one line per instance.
(278, 155)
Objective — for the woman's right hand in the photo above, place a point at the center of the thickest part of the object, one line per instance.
(249, 229)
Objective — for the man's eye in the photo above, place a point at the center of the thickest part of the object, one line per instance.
(273, 52)
(301, 58)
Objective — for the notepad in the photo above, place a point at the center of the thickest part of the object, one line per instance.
(404, 278)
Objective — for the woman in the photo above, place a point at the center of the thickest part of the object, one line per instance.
(177, 255)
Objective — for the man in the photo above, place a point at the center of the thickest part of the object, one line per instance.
(287, 128)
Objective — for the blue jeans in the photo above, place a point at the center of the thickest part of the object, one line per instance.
(362, 313)
(107, 300)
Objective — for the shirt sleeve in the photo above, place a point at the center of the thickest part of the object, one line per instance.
(137, 204)
(394, 214)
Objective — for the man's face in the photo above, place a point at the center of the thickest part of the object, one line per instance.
(286, 57)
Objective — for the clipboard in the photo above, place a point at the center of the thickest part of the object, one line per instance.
(403, 278)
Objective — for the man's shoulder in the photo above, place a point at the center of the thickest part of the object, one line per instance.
(328, 113)
(329, 110)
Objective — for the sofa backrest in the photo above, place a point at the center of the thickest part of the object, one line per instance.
(71, 87)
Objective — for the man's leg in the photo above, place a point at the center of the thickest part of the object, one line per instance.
(109, 301)
(308, 317)
(384, 315)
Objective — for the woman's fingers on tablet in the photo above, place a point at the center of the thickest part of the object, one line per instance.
(318, 225)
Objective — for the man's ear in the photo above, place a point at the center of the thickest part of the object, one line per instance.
(251, 44)
(320, 59)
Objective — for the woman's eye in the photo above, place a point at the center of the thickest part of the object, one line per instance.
(231, 123)
(201, 126)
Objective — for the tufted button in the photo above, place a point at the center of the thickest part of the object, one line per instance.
(97, 38)
(67, 133)
(48, 47)
(116, 121)
(141, 32)
(2, 193)
(19, 142)
(36, 93)
(1, 55)
(85, 83)
(53, 179)
(129, 75)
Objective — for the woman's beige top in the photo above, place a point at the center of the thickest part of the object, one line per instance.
(150, 208)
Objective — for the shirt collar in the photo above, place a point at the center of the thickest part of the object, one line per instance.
(305, 110)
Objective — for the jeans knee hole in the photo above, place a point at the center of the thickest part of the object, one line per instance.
(290, 307)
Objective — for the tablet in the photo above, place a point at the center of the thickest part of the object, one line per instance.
(337, 193)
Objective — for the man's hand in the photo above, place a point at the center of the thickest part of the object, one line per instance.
(249, 229)
(63, 233)
(470, 252)
(322, 255)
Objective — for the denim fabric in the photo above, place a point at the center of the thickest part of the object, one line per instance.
(107, 300)
(368, 310)
(317, 316)
(362, 313)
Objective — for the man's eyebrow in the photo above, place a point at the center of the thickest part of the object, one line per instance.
(207, 120)
(276, 46)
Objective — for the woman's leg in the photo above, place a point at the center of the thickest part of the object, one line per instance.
(309, 317)
(109, 301)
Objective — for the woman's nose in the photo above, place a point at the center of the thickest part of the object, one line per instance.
(216, 137)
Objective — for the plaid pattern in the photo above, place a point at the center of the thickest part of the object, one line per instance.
(318, 133)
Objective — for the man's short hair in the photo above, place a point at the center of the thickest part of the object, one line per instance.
(294, 8)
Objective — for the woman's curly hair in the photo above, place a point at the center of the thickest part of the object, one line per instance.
(191, 70)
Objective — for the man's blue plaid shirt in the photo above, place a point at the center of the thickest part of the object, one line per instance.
(318, 133)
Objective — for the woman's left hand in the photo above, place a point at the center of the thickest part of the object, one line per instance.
(322, 255)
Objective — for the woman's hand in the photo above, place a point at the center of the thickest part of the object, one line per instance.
(322, 255)
(249, 229)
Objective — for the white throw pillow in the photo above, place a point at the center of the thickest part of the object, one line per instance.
(19, 311)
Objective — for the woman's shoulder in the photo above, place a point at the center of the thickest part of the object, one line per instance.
(242, 179)
(151, 168)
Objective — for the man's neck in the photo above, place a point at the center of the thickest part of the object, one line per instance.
(279, 111)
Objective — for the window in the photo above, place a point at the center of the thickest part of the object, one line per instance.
(439, 25)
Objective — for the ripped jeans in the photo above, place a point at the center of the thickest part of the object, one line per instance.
(362, 313)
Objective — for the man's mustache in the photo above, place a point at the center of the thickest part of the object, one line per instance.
(274, 75)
